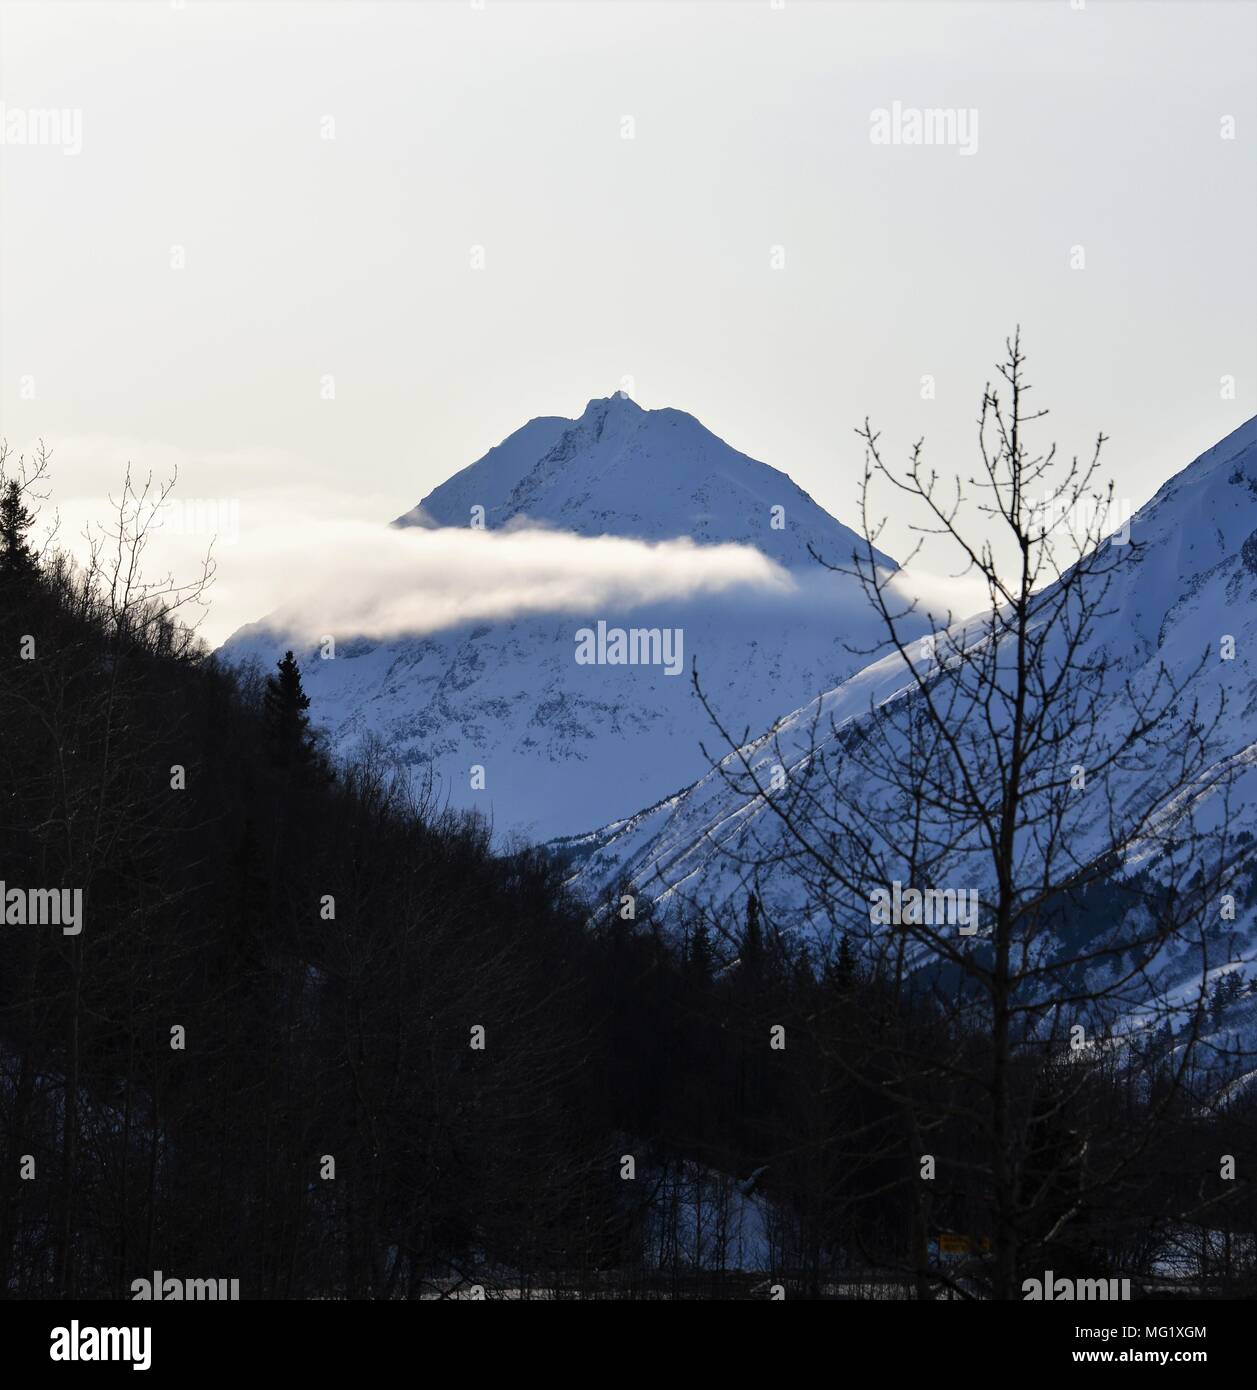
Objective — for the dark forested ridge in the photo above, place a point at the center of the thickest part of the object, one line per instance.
(313, 1034)
(276, 979)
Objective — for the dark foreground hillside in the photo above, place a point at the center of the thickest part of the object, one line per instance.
(310, 1033)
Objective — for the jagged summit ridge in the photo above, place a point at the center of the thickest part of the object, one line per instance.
(618, 399)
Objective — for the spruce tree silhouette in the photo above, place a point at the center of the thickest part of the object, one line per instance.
(700, 958)
(286, 719)
(844, 970)
(17, 560)
(752, 952)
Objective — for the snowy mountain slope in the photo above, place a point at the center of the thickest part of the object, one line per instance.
(565, 745)
(1196, 583)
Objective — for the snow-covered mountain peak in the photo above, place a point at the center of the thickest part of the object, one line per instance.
(563, 745)
(621, 470)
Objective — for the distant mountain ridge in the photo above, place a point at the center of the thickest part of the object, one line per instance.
(1196, 582)
(1195, 585)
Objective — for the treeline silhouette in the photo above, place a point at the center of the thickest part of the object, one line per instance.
(316, 1035)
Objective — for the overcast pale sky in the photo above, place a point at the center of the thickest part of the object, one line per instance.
(260, 197)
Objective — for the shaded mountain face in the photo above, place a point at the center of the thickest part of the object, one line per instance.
(564, 744)
(1192, 586)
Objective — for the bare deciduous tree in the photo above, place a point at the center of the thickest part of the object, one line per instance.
(1014, 758)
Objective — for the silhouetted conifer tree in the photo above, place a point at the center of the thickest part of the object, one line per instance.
(17, 560)
(699, 960)
(752, 952)
(287, 722)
